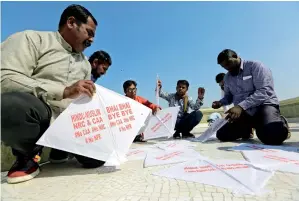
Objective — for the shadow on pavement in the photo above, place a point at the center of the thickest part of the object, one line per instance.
(71, 168)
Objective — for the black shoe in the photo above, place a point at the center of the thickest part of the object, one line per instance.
(89, 162)
(177, 135)
(139, 138)
(188, 135)
(58, 156)
(24, 169)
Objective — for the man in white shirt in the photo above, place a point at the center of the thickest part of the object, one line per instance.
(41, 72)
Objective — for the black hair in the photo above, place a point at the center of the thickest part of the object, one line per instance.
(225, 55)
(220, 77)
(183, 82)
(129, 83)
(80, 13)
(102, 56)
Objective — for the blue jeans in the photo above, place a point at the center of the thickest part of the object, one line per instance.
(187, 122)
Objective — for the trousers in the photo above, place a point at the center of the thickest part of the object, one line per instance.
(271, 129)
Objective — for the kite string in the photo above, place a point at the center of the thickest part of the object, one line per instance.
(157, 91)
(163, 124)
(227, 174)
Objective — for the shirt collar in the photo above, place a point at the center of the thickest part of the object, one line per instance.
(241, 65)
(61, 40)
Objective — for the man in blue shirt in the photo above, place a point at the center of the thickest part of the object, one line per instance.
(249, 85)
(185, 121)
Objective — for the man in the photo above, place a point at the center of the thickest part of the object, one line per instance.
(220, 81)
(40, 73)
(100, 62)
(185, 121)
(130, 90)
(249, 85)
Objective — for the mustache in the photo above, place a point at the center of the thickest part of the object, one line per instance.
(87, 43)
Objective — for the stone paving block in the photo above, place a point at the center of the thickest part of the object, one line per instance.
(206, 194)
(212, 190)
(250, 199)
(201, 189)
(238, 199)
(207, 198)
(184, 193)
(184, 198)
(164, 195)
(228, 198)
(218, 198)
(152, 198)
(197, 199)
(217, 195)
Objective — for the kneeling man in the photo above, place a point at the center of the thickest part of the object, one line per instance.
(249, 85)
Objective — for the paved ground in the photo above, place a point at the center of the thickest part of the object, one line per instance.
(69, 182)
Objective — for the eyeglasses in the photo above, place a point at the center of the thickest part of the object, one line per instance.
(132, 89)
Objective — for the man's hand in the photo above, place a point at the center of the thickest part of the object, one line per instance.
(201, 92)
(81, 87)
(216, 105)
(155, 110)
(159, 84)
(234, 113)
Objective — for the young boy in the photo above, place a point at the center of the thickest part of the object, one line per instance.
(185, 121)
(131, 92)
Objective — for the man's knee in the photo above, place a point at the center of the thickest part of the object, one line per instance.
(24, 118)
(274, 133)
(89, 162)
(12, 112)
(11, 103)
(198, 115)
(222, 136)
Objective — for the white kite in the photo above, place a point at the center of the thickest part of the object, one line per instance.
(162, 124)
(250, 147)
(175, 144)
(102, 127)
(140, 153)
(239, 176)
(274, 159)
(165, 157)
(210, 133)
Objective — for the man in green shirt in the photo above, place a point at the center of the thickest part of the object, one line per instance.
(41, 72)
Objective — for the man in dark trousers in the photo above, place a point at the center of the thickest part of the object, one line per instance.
(249, 85)
(41, 72)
